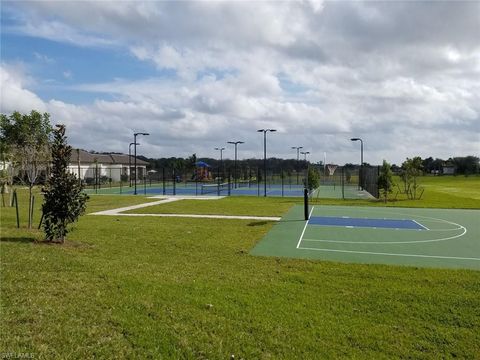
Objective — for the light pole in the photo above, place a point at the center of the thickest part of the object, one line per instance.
(298, 150)
(235, 163)
(135, 156)
(305, 153)
(265, 157)
(360, 177)
(130, 163)
(221, 160)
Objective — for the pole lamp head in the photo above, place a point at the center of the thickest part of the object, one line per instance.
(356, 139)
(235, 142)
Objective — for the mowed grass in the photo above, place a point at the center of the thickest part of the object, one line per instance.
(239, 205)
(187, 288)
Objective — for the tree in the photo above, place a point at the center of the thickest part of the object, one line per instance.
(64, 199)
(411, 170)
(26, 139)
(466, 165)
(385, 181)
(313, 178)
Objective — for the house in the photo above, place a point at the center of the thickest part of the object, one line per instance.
(110, 166)
(448, 169)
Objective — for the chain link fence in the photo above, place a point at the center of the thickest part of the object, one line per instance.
(340, 182)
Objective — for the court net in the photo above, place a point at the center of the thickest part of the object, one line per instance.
(214, 188)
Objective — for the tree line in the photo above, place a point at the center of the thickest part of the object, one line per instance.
(466, 165)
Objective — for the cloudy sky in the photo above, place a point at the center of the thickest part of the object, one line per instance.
(403, 76)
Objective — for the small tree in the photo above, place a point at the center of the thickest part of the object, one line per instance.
(25, 140)
(313, 178)
(411, 170)
(64, 199)
(385, 181)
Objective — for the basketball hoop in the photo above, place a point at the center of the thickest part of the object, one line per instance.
(331, 169)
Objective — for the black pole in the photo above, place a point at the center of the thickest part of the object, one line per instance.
(361, 165)
(229, 183)
(163, 180)
(235, 168)
(305, 202)
(298, 164)
(135, 161)
(221, 164)
(265, 162)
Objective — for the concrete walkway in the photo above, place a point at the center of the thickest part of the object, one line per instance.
(165, 199)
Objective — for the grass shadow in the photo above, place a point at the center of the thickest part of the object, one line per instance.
(258, 223)
(18, 239)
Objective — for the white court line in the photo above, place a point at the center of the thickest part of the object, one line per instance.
(134, 207)
(415, 221)
(391, 254)
(120, 211)
(393, 242)
(304, 228)
(206, 216)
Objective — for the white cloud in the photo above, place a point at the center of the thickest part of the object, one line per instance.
(14, 96)
(403, 76)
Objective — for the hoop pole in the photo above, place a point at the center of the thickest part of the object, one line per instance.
(305, 202)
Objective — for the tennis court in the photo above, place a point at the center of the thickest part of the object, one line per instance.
(242, 189)
(401, 236)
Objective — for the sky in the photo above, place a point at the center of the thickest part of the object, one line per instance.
(404, 76)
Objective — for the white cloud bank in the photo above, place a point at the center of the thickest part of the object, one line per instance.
(403, 76)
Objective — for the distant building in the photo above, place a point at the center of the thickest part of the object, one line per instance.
(112, 166)
(448, 169)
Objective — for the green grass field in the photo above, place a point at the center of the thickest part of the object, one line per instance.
(173, 288)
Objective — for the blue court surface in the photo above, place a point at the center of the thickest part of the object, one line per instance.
(366, 223)
(273, 190)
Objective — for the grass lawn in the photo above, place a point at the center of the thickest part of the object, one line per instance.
(187, 288)
(234, 205)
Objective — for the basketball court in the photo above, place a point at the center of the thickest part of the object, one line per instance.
(398, 236)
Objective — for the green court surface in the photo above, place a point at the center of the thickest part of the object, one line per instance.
(398, 236)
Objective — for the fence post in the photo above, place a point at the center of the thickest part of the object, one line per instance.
(163, 180)
(229, 183)
(281, 175)
(258, 181)
(174, 182)
(15, 199)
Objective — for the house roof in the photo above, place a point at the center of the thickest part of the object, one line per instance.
(89, 158)
(85, 156)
